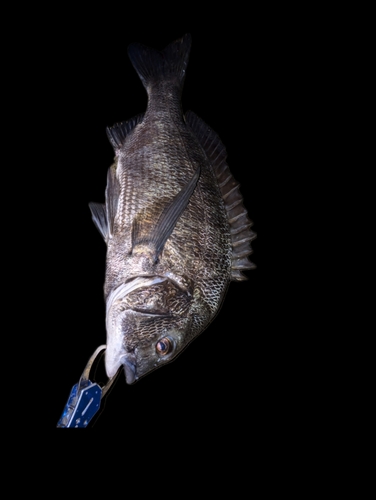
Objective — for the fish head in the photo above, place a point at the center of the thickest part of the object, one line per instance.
(148, 324)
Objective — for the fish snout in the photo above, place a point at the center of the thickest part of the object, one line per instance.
(115, 357)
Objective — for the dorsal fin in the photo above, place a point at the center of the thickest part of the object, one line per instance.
(240, 224)
(118, 132)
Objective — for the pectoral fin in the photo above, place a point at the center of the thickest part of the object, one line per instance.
(167, 220)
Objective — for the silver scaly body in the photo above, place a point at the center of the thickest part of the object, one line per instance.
(174, 223)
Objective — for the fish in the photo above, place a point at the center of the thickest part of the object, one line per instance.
(174, 222)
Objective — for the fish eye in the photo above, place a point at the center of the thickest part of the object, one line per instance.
(164, 346)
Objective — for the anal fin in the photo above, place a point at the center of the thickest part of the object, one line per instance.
(103, 214)
(118, 132)
(98, 214)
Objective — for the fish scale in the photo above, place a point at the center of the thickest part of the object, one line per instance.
(151, 181)
(145, 179)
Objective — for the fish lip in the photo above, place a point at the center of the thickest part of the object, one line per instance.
(130, 369)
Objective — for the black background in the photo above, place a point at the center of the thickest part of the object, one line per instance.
(246, 79)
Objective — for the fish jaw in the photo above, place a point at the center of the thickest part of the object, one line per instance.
(116, 360)
(143, 343)
(129, 369)
(116, 353)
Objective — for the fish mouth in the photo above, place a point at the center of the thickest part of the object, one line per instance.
(128, 361)
(129, 369)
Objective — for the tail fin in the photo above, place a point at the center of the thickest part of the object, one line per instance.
(169, 64)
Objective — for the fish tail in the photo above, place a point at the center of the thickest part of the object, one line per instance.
(169, 64)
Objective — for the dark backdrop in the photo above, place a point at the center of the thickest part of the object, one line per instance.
(243, 82)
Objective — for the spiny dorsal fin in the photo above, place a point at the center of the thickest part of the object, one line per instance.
(155, 65)
(241, 234)
(167, 220)
(118, 132)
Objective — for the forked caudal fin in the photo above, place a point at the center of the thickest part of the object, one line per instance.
(168, 64)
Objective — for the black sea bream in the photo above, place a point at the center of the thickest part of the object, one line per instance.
(176, 230)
